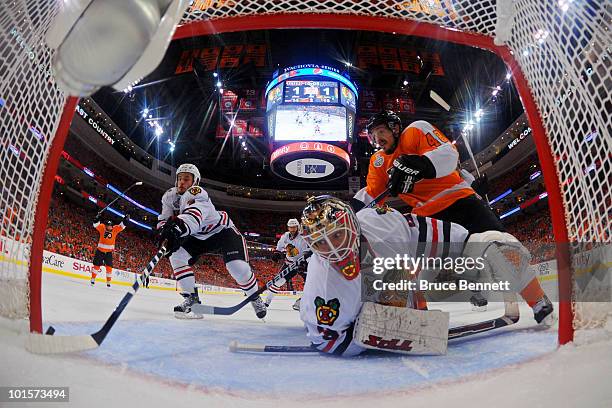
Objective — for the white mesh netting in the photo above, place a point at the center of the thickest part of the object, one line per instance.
(562, 47)
(30, 107)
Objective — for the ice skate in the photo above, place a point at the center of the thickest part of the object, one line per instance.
(479, 302)
(543, 312)
(260, 307)
(183, 311)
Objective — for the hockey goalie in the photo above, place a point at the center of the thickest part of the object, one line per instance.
(337, 317)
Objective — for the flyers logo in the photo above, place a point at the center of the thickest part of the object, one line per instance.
(327, 312)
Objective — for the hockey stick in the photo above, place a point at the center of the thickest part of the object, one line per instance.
(377, 199)
(287, 272)
(510, 317)
(437, 98)
(48, 343)
(236, 347)
(138, 183)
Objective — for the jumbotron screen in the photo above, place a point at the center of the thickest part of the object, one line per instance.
(311, 103)
(311, 91)
(310, 122)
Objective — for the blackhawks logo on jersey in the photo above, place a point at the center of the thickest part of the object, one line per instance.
(195, 190)
(291, 250)
(327, 312)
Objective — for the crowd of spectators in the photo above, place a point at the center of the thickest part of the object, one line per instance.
(515, 178)
(535, 232)
(70, 232)
(88, 158)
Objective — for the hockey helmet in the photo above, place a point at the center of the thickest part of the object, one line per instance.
(331, 228)
(191, 169)
(293, 222)
(109, 224)
(387, 118)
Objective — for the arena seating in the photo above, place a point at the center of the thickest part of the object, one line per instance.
(70, 233)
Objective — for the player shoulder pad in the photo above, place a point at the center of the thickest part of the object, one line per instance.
(169, 192)
(198, 194)
(377, 159)
(375, 216)
(195, 190)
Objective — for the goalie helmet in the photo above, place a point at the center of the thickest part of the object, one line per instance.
(331, 229)
(191, 169)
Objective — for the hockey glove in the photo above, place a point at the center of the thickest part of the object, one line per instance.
(303, 263)
(173, 231)
(406, 170)
(481, 185)
(276, 256)
(97, 219)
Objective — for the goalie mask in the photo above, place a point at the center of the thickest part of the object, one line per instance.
(331, 229)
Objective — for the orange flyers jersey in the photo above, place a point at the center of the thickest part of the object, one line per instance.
(107, 239)
(429, 196)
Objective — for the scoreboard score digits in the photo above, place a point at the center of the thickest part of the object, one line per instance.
(311, 92)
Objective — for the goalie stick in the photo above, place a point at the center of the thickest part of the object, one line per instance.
(510, 317)
(48, 343)
(287, 272)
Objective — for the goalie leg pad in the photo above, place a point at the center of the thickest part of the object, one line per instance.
(506, 259)
(402, 330)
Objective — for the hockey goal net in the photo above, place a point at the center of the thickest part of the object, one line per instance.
(556, 50)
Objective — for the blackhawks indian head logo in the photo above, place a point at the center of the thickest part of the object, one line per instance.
(291, 250)
(327, 312)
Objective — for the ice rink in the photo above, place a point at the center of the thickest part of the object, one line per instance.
(153, 359)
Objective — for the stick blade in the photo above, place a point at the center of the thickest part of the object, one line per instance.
(45, 344)
(203, 309)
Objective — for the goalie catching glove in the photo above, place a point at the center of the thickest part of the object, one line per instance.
(406, 170)
(172, 232)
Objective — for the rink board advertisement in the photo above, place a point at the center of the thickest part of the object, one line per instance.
(16, 254)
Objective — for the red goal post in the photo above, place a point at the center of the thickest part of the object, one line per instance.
(542, 70)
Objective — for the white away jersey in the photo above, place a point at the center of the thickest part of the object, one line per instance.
(292, 247)
(196, 210)
(330, 303)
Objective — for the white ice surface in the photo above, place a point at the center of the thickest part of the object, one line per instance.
(154, 360)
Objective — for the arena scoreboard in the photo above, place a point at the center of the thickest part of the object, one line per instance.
(310, 118)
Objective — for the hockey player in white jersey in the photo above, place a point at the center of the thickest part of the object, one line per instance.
(332, 300)
(192, 226)
(290, 245)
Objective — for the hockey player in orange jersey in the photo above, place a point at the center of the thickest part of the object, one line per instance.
(420, 166)
(106, 244)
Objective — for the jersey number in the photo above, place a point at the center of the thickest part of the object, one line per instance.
(436, 139)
